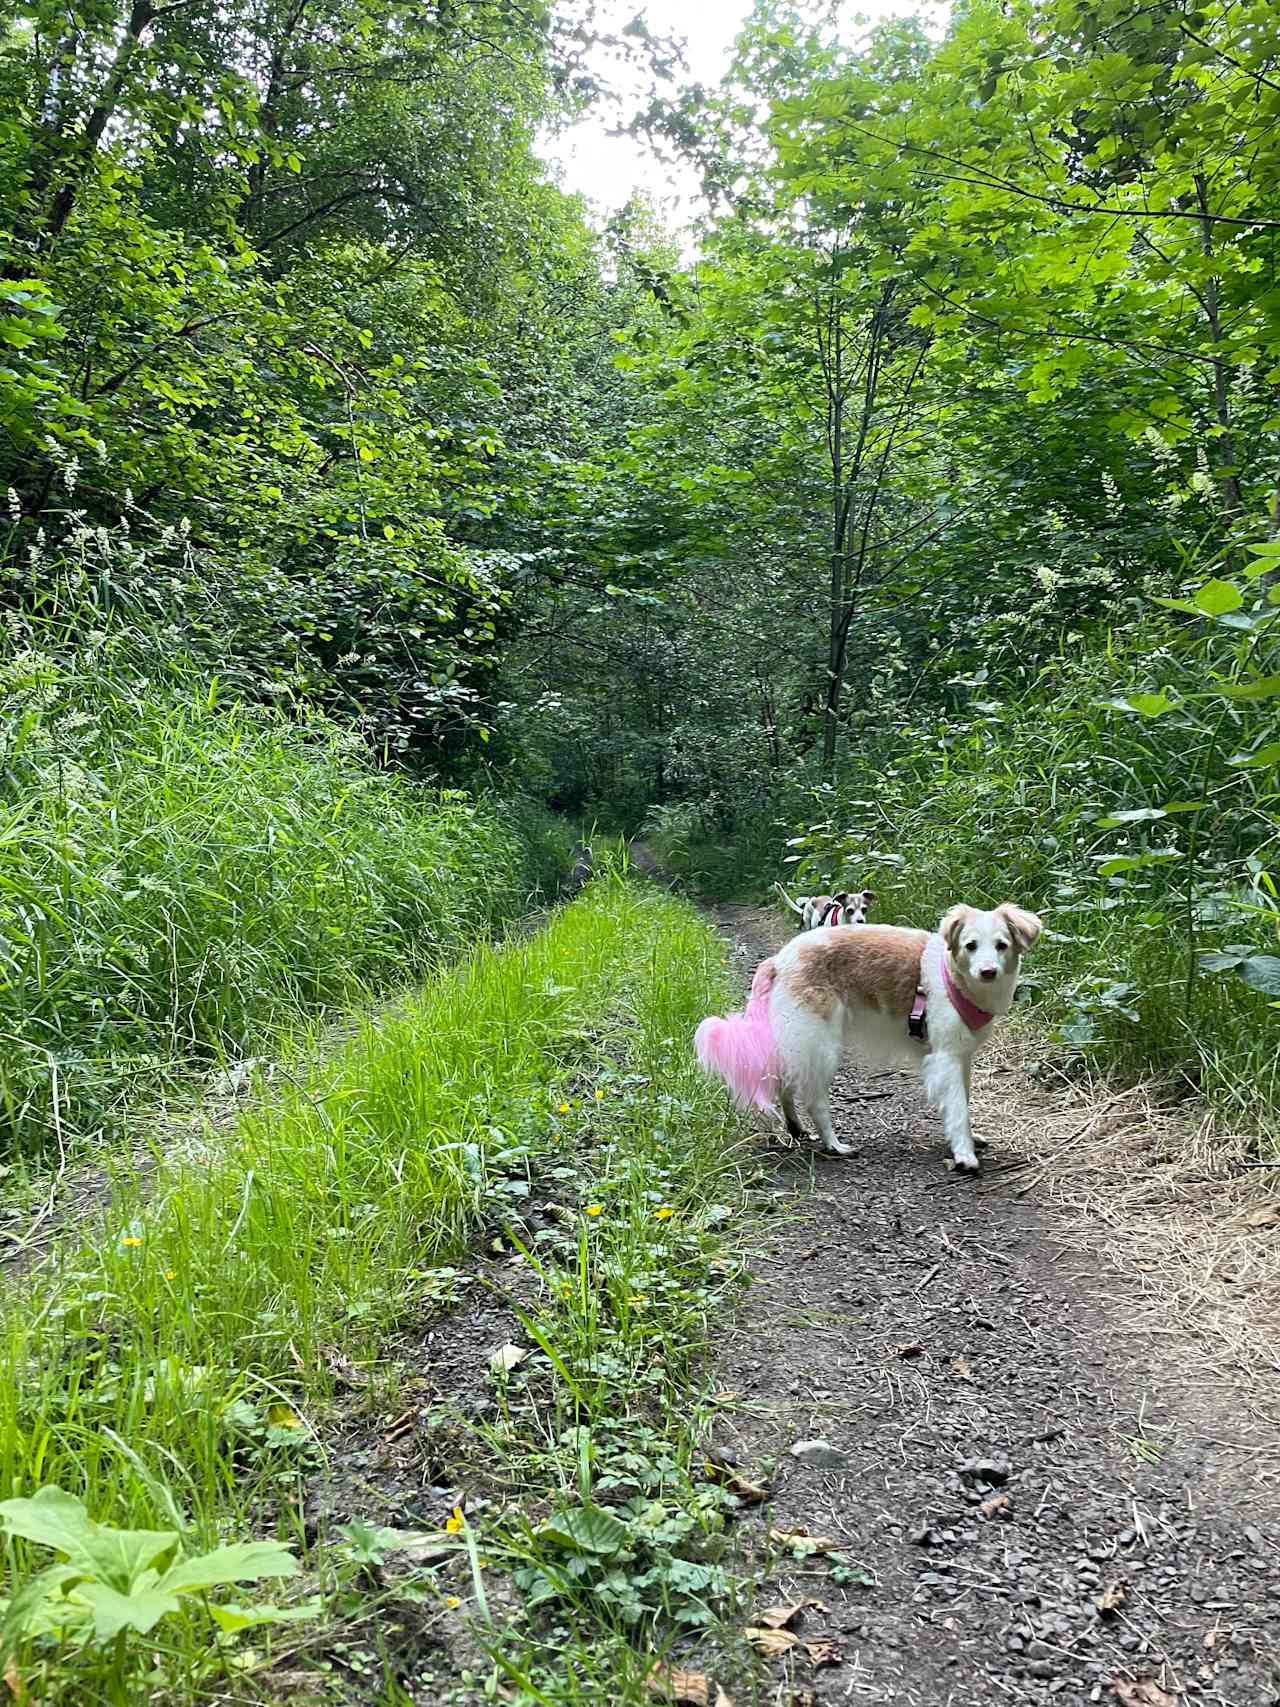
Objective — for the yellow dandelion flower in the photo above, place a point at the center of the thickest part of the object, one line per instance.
(594, 1208)
(665, 1213)
(131, 1239)
(599, 1096)
(563, 1109)
(171, 1274)
(455, 1520)
(452, 1600)
(637, 1301)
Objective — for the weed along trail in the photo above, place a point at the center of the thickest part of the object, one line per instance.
(991, 1466)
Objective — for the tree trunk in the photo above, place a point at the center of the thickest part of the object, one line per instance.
(1223, 452)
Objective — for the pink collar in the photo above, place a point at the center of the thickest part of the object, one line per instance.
(972, 1015)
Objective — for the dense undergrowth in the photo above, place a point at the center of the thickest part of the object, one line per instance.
(181, 874)
(178, 1370)
(1127, 791)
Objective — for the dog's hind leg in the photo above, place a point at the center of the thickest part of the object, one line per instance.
(789, 1113)
(820, 1069)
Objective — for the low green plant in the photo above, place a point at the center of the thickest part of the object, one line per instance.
(111, 1585)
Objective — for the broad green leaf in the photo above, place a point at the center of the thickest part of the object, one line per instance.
(1138, 815)
(1136, 862)
(1217, 596)
(1215, 961)
(1261, 972)
(51, 1517)
(1150, 704)
(38, 1607)
(242, 1562)
(1263, 687)
(54, 1518)
(113, 1611)
(589, 1529)
(231, 1619)
(1262, 759)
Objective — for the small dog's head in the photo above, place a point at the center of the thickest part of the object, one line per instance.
(845, 907)
(987, 947)
(857, 906)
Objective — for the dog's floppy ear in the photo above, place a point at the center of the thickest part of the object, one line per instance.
(1024, 927)
(868, 896)
(953, 923)
(842, 896)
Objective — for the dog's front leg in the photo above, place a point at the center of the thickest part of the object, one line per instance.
(951, 1093)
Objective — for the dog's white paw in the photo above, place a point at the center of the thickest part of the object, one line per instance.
(833, 1147)
(968, 1164)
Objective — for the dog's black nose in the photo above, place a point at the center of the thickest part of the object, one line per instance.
(987, 972)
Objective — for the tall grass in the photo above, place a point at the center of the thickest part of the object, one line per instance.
(178, 876)
(175, 1369)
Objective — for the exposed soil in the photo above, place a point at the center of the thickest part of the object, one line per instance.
(1052, 1494)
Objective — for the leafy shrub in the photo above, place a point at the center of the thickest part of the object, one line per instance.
(1131, 797)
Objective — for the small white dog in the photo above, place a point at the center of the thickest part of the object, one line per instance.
(847, 907)
(896, 998)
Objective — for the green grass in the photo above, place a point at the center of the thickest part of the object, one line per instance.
(179, 878)
(175, 1370)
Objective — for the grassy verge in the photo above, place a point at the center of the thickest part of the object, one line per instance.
(179, 878)
(178, 1371)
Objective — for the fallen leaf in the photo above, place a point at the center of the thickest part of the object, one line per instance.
(786, 1611)
(770, 1643)
(961, 1370)
(801, 1542)
(909, 1348)
(1266, 1215)
(1141, 1692)
(14, 1680)
(823, 1653)
(690, 1687)
(998, 1505)
(1211, 1638)
(420, 1547)
(507, 1357)
(775, 1617)
(1113, 1596)
(735, 1481)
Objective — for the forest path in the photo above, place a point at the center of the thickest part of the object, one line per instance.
(1056, 1490)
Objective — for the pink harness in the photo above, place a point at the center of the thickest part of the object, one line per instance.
(972, 1015)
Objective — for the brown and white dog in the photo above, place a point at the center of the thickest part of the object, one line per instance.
(847, 907)
(895, 997)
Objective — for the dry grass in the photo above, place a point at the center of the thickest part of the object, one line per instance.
(1153, 1183)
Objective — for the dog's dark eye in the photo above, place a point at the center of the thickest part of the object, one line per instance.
(971, 948)
(1001, 946)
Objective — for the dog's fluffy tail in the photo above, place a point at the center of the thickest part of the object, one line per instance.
(740, 1048)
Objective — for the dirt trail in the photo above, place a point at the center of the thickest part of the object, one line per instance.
(1055, 1498)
